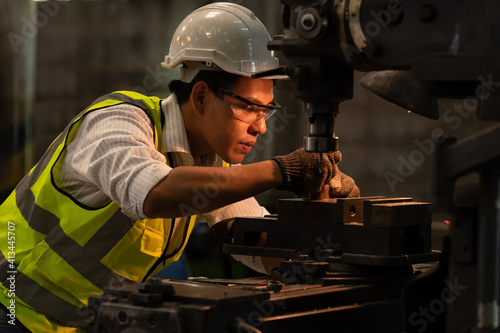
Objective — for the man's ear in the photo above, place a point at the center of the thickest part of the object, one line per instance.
(199, 96)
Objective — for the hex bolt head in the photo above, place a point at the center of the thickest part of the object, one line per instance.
(122, 316)
(308, 21)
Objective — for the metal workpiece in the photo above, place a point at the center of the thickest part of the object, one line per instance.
(404, 213)
(326, 210)
(376, 210)
(352, 209)
(298, 211)
(369, 202)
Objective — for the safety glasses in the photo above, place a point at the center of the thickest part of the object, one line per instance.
(247, 111)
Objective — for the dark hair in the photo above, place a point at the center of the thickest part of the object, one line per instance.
(214, 79)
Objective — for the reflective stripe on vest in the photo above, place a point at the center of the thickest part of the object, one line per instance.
(69, 251)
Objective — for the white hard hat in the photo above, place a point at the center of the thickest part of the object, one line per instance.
(221, 36)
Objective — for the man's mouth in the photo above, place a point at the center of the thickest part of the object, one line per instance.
(246, 146)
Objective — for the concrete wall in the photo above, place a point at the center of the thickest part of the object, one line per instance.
(89, 48)
(17, 91)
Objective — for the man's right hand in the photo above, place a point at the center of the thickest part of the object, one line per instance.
(302, 173)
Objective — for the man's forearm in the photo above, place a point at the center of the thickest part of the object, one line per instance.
(192, 190)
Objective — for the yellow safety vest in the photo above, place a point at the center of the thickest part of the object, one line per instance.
(62, 251)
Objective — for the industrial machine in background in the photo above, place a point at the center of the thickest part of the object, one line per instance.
(361, 265)
(417, 52)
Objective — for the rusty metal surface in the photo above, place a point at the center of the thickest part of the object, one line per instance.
(401, 213)
(351, 209)
(299, 211)
(368, 203)
(324, 194)
(376, 210)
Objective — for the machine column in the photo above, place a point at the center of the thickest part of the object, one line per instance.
(488, 297)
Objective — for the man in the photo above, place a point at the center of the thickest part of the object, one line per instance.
(116, 195)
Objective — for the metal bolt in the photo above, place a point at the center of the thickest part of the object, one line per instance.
(152, 319)
(308, 21)
(122, 316)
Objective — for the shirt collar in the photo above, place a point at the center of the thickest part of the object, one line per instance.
(174, 138)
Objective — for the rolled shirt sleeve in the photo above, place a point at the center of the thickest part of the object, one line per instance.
(113, 158)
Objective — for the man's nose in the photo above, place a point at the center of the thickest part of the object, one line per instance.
(258, 126)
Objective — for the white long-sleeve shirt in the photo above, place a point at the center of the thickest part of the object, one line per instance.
(113, 158)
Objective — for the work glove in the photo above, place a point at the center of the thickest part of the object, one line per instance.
(343, 186)
(301, 171)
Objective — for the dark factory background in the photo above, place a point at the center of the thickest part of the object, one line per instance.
(57, 57)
